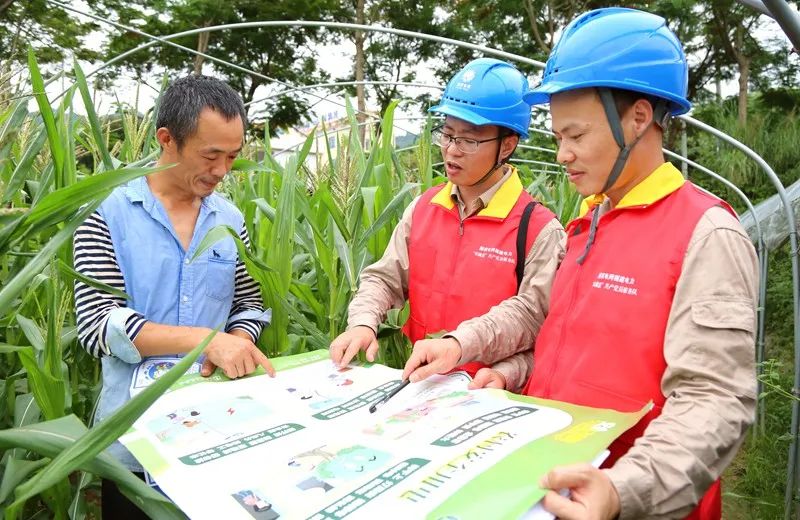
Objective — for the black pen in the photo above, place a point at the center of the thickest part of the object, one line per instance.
(389, 395)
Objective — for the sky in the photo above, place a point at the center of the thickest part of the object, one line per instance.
(333, 58)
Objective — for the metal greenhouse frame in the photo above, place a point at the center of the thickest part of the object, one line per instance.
(778, 9)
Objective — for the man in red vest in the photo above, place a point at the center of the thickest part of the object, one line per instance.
(655, 298)
(470, 253)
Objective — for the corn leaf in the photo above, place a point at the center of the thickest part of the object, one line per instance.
(71, 274)
(20, 281)
(24, 166)
(53, 136)
(48, 390)
(52, 438)
(31, 331)
(94, 121)
(16, 471)
(392, 210)
(57, 206)
(102, 435)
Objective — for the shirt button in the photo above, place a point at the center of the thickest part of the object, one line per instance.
(185, 299)
(186, 261)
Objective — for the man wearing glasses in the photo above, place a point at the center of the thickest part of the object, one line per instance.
(471, 254)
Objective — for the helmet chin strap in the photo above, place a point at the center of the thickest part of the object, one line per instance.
(497, 163)
(660, 114)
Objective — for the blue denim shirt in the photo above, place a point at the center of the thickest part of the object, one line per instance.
(165, 286)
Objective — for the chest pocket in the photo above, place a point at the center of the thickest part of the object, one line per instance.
(221, 273)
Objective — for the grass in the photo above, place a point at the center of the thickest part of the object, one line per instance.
(754, 484)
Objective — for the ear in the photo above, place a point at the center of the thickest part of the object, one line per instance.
(508, 145)
(166, 141)
(641, 114)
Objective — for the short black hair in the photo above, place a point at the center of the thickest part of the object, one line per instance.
(183, 101)
(624, 100)
(502, 133)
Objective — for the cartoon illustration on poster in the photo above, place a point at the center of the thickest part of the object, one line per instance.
(206, 424)
(255, 503)
(326, 467)
(304, 445)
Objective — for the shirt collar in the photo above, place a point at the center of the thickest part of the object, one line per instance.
(663, 181)
(138, 190)
(487, 195)
(497, 200)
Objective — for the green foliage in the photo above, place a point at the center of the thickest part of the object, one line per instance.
(755, 483)
(316, 231)
(556, 192)
(771, 132)
(49, 29)
(284, 53)
(45, 202)
(89, 445)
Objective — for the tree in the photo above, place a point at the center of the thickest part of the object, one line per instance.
(48, 29)
(284, 54)
(386, 57)
(733, 34)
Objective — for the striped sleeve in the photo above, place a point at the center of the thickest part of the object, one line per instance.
(94, 257)
(246, 297)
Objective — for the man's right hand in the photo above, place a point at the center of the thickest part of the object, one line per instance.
(235, 355)
(347, 344)
(488, 378)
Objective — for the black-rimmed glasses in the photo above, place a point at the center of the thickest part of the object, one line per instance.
(464, 144)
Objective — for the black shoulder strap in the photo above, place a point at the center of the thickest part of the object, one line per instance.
(522, 238)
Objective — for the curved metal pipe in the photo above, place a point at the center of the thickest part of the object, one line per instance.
(281, 23)
(787, 18)
(274, 23)
(791, 222)
(793, 455)
(343, 84)
(166, 41)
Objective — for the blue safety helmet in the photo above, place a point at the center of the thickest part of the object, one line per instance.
(488, 92)
(618, 48)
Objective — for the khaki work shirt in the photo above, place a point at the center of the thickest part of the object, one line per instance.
(709, 382)
(493, 338)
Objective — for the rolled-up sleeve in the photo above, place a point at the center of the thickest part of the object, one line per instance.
(709, 382)
(118, 335)
(247, 311)
(105, 325)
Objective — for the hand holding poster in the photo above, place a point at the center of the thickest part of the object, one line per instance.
(304, 445)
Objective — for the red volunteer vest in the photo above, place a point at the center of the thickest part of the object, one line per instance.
(459, 270)
(602, 344)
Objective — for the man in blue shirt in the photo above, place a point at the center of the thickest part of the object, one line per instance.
(142, 239)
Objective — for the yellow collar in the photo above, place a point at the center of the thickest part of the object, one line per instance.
(663, 181)
(499, 205)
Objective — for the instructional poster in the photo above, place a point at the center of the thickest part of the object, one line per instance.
(304, 445)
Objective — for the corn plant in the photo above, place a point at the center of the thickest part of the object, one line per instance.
(312, 233)
(554, 191)
(44, 199)
(316, 230)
